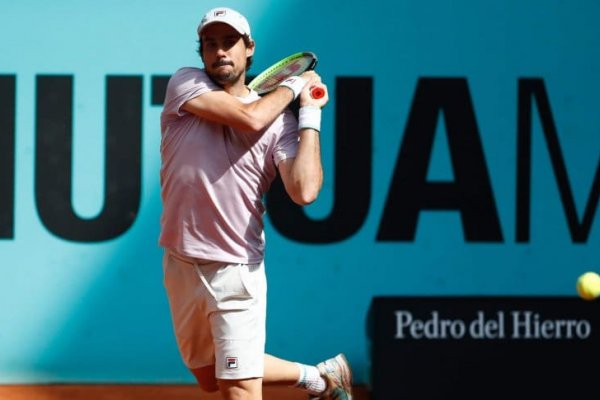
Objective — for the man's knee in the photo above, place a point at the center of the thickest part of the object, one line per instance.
(205, 377)
(243, 389)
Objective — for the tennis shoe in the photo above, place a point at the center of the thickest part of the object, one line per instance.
(338, 375)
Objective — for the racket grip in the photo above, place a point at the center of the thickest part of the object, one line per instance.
(317, 92)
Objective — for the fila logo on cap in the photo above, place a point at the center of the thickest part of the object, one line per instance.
(231, 362)
(227, 16)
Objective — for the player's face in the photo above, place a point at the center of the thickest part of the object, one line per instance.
(224, 53)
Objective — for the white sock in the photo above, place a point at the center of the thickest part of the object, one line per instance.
(310, 379)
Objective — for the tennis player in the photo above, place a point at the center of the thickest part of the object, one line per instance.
(221, 147)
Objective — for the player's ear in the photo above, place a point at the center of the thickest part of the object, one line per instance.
(250, 48)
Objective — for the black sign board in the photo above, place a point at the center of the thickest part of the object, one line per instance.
(484, 348)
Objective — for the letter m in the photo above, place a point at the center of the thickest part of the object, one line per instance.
(530, 89)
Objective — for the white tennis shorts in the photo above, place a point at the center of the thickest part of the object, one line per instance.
(219, 314)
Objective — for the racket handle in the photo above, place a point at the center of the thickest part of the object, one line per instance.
(317, 92)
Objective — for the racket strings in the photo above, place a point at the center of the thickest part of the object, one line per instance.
(273, 76)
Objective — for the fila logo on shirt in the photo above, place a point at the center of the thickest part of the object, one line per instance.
(231, 362)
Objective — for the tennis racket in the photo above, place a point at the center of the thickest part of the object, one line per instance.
(293, 65)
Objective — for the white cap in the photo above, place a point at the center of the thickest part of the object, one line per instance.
(227, 16)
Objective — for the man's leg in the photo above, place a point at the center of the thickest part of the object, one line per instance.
(243, 389)
(206, 378)
(189, 313)
(280, 372)
(277, 372)
(329, 380)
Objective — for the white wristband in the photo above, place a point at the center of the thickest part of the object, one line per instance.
(309, 117)
(295, 84)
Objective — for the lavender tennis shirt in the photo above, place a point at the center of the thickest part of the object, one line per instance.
(213, 177)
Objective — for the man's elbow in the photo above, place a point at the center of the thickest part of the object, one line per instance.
(255, 125)
(306, 197)
(255, 122)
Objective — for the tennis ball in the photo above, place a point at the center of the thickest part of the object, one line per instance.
(588, 286)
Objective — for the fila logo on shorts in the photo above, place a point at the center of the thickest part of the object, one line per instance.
(231, 362)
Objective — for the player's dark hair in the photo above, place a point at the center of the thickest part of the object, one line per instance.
(247, 42)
